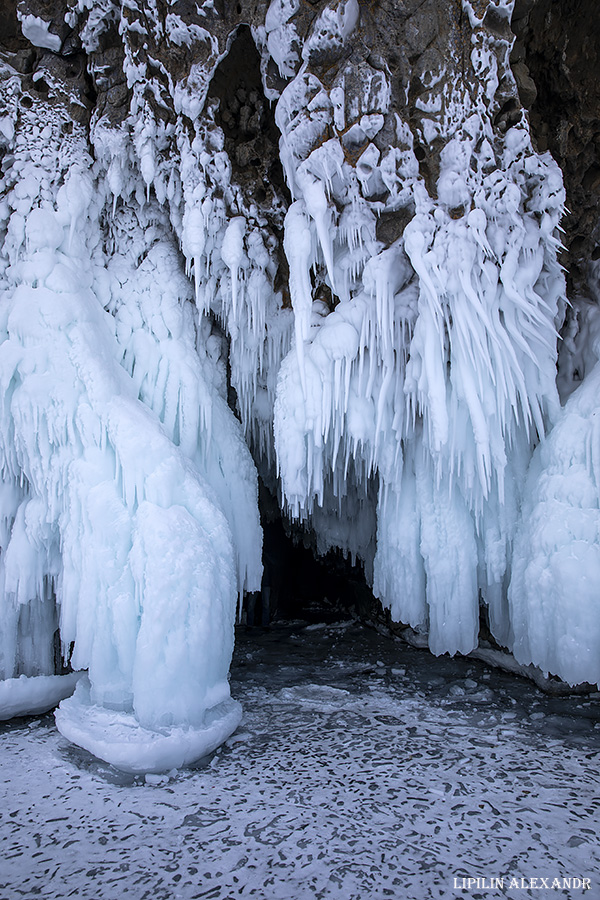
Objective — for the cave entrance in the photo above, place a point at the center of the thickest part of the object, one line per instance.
(298, 584)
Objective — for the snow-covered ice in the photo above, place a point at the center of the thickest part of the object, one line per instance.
(362, 769)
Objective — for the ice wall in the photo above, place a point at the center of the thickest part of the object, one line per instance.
(130, 520)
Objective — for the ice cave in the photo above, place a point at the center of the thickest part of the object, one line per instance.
(322, 270)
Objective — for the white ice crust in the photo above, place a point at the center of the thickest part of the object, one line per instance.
(119, 739)
(25, 696)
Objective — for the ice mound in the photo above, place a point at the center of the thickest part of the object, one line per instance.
(119, 739)
(25, 696)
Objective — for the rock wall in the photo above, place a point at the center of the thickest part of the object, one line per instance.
(554, 60)
(558, 47)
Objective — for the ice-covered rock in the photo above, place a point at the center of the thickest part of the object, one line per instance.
(336, 220)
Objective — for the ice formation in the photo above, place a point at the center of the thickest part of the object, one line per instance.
(25, 696)
(556, 562)
(396, 387)
(436, 369)
(130, 519)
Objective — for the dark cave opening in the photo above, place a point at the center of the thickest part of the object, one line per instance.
(248, 123)
(299, 584)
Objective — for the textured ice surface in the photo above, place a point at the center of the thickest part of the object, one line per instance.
(362, 768)
(129, 517)
(26, 696)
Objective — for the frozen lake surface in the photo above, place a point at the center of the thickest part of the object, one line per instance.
(363, 769)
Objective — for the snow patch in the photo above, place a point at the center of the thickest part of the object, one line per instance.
(36, 31)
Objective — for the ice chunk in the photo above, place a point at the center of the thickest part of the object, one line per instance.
(25, 696)
(119, 739)
(36, 31)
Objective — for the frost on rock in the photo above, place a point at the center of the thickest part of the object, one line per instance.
(360, 254)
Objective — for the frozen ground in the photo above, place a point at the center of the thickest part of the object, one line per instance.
(362, 769)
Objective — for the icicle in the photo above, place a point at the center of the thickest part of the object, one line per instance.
(232, 254)
(319, 210)
(297, 243)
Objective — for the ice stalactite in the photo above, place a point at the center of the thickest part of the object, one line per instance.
(436, 369)
(226, 235)
(125, 474)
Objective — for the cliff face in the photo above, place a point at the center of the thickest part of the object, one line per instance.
(553, 56)
(344, 218)
(553, 59)
(559, 44)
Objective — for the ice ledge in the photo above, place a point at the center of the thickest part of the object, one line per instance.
(31, 695)
(504, 660)
(119, 739)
